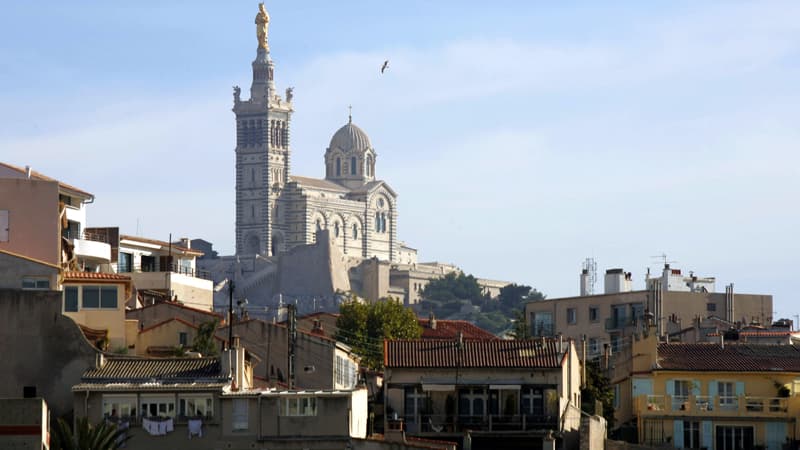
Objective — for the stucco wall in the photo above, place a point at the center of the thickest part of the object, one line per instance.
(313, 270)
(32, 219)
(41, 348)
(13, 269)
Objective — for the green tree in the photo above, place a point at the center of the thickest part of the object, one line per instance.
(453, 286)
(598, 388)
(204, 341)
(103, 436)
(519, 326)
(364, 326)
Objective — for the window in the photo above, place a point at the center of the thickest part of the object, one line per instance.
(616, 343)
(368, 166)
(711, 307)
(158, 406)
(594, 346)
(240, 419)
(338, 167)
(542, 323)
(680, 394)
(593, 314)
(183, 339)
(336, 229)
(472, 402)
(298, 406)
(616, 396)
(35, 283)
(572, 316)
(344, 372)
(108, 297)
(727, 395)
(70, 299)
(125, 262)
(352, 165)
(91, 297)
(195, 406)
(691, 434)
(734, 438)
(355, 231)
(122, 406)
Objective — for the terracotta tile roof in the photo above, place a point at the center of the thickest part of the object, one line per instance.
(82, 276)
(169, 304)
(448, 329)
(421, 353)
(174, 370)
(732, 358)
(761, 333)
(178, 248)
(40, 176)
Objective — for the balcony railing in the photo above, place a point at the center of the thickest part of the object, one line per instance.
(174, 268)
(86, 236)
(616, 323)
(439, 423)
(741, 405)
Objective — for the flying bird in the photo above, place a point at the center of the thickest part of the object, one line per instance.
(385, 65)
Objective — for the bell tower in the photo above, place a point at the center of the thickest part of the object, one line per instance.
(262, 151)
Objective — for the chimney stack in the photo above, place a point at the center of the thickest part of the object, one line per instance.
(28, 172)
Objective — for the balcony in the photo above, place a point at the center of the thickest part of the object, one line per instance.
(720, 406)
(433, 424)
(619, 322)
(89, 246)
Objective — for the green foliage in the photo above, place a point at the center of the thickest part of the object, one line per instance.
(364, 326)
(459, 296)
(519, 326)
(103, 436)
(453, 287)
(598, 387)
(204, 342)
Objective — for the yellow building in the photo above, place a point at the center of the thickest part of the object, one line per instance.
(718, 396)
(97, 301)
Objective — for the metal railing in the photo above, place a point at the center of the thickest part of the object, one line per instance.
(174, 268)
(615, 323)
(84, 235)
(440, 423)
(741, 405)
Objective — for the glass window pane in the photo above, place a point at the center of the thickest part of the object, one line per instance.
(108, 297)
(70, 299)
(91, 297)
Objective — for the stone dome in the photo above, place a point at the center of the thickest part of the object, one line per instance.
(350, 138)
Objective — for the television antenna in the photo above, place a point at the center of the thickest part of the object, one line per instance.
(590, 266)
(663, 258)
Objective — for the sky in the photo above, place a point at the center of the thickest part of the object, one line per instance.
(522, 137)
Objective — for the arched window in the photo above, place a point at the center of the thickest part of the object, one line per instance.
(319, 225)
(336, 229)
(377, 222)
(368, 167)
(338, 167)
(252, 175)
(355, 231)
(352, 165)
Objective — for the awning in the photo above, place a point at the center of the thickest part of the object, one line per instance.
(505, 387)
(439, 387)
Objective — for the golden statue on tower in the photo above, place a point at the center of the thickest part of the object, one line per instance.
(262, 26)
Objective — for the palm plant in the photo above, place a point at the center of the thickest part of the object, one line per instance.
(103, 436)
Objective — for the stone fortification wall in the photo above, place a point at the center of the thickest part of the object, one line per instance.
(313, 270)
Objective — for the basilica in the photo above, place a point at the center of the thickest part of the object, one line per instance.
(276, 210)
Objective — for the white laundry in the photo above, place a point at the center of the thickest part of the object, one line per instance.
(170, 425)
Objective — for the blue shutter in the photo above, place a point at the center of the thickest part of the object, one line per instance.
(642, 387)
(707, 440)
(677, 433)
(739, 388)
(712, 400)
(670, 387)
(776, 434)
(695, 388)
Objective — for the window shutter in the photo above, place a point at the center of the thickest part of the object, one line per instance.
(707, 440)
(739, 388)
(4, 225)
(695, 388)
(712, 388)
(671, 387)
(677, 433)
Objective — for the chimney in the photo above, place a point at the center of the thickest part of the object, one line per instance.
(722, 340)
(584, 282)
(186, 243)
(432, 321)
(460, 339)
(27, 172)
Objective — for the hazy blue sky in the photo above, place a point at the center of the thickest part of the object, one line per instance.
(522, 137)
